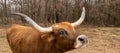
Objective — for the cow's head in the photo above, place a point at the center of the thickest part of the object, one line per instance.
(66, 36)
(63, 34)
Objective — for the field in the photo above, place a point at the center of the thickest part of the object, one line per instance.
(101, 40)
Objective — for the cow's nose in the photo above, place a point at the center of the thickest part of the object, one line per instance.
(83, 39)
(80, 41)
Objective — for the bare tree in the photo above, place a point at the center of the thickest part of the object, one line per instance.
(98, 12)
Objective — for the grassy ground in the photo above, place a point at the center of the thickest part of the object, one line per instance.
(101, 40)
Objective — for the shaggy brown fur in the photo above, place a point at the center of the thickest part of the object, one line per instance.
(25, 39)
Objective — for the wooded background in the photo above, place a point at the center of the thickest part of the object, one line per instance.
(98, 12)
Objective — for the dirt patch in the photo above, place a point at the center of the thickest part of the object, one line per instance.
(101, 40)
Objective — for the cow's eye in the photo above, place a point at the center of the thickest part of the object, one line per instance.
(61, 32)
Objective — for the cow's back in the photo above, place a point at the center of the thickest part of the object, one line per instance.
(23, 39)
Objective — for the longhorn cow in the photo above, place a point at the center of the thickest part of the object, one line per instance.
(58, 38)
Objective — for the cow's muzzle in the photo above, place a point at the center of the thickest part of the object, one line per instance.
(80, 41)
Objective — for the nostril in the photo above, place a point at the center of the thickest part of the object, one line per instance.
(80, 39)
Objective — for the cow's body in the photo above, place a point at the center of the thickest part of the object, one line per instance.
(58, 38)
(24, 39)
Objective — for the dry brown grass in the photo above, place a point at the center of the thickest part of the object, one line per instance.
(101, 40)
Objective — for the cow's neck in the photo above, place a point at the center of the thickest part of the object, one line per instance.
(51, 48)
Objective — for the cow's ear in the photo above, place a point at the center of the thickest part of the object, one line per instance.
(48, 38)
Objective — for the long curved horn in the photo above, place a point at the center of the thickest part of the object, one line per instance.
(34, 24)
(80, 20)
